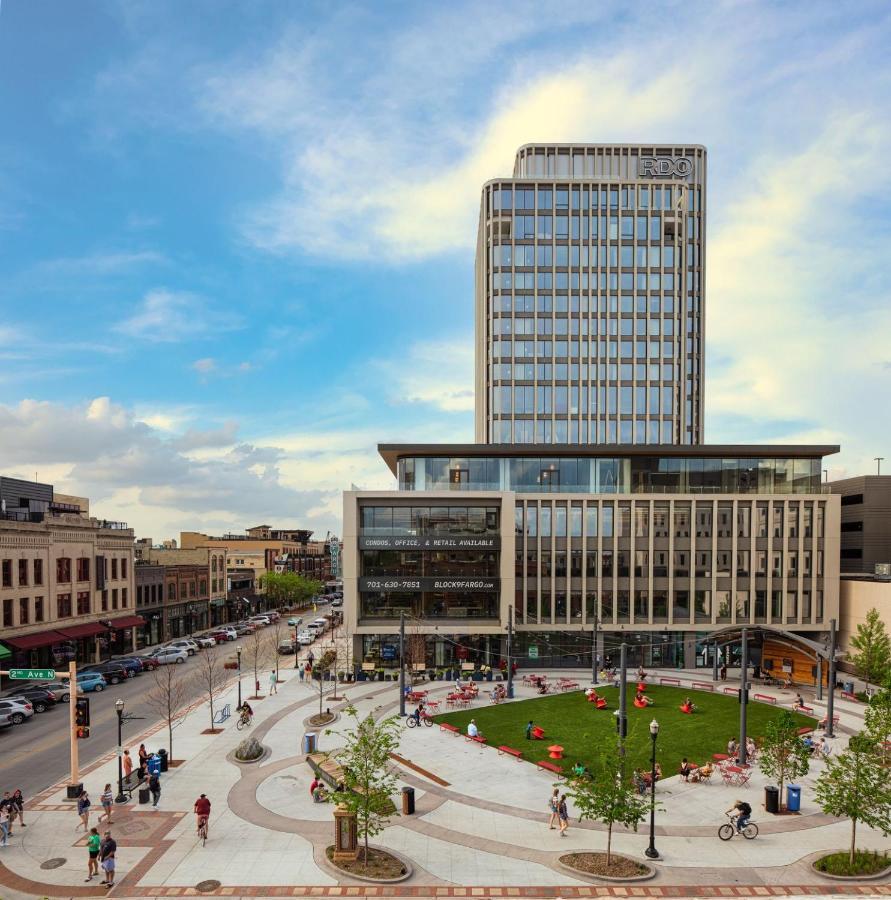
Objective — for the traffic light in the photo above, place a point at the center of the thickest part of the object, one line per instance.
(82, 717)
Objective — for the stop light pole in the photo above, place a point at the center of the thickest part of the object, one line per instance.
(74, 786)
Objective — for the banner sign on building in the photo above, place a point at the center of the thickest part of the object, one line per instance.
(412, 542)
(443, 583)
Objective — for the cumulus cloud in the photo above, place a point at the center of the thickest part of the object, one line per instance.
(438, 374)
(165, 316)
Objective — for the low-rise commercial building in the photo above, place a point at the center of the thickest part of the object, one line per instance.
(150, 593)
(658, 547)
(210, 584)
(865, 522)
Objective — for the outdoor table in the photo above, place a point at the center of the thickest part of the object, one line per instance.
(555, 751)
(720, 757)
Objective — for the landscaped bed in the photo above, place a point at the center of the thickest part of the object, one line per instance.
(866, 863)
(381, 865)
(584, 731)
(595, 864)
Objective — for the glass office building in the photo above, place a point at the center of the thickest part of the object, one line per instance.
(590, 296)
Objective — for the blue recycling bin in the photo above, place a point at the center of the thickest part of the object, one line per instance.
(309, 743)
(153, 764)
(793, 797)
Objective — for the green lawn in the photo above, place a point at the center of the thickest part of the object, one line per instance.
(584, 731)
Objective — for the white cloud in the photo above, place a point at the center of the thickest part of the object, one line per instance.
(435, 373)
(204, 366)
(170, 316)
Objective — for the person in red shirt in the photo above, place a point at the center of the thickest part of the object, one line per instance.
(202, 810)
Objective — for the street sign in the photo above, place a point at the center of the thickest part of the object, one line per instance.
(32, 674)
(533, 651)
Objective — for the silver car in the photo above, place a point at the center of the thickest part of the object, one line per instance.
(167, 655)
(17, 710)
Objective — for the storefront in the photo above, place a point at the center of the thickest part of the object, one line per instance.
(185, 619)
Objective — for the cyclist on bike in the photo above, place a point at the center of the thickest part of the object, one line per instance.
(416, 715)
(246, 712)
(743, 812)
(202, 812)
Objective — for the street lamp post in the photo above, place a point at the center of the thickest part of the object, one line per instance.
(651, 851)
(119, 708)
(238, 656)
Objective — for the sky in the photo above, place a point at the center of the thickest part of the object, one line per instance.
(237, 238)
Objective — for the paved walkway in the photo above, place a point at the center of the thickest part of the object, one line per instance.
(480, 827)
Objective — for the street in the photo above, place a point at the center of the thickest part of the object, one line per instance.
(35, 754)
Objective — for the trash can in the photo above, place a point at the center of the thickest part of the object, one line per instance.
(143, 795)
(849, 687)
(771, 799)
(164, 761)
(408, 801)
(309, 742)
(154, 764)
(793, 797)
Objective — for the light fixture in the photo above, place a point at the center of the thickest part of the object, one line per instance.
(654, 727)
(119, 705)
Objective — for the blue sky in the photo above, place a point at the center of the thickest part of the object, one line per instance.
(236, 239)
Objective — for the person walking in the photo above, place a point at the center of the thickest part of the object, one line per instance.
(94, 842)
(107, 799)
(300, 672)
(554, 808)
(273, 682)
(83, 810)
(128, 765)
(310, 659)
(143, 762)
(563, 815)
(154, 785)
(107, 850)
(529, 730)
(4, 826)
(7, 804)
(18, 805)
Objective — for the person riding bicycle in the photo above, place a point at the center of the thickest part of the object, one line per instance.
(246, 712)
(743, 814)
(202, 812)
(416, 715)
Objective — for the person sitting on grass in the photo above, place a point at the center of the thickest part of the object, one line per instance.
(688, 706)
(579, 770)
(472, 730)
(641, 697)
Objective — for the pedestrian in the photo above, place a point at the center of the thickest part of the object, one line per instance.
(563, 814)
(724, 672)
(83, 810)
(273, 682)
(107, 850)
(154, 785)
(4, 826)
(18, 804)
(554, 807)
(7, 804)
(301, 673)
(107, 799)
(94, 842)
(143, 762)
(128, 765)
(529, 730)
(310, 659)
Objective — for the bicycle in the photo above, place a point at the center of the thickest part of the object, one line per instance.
(244, 721)
(728, 829)
(412, 722)
(202, 830)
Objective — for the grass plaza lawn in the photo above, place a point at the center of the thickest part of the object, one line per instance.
(585, 732)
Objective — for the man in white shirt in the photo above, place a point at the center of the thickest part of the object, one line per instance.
(472, 730)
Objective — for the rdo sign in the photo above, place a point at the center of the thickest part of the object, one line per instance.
(664, 166)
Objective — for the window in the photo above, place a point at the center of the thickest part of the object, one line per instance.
(114, 598)
(83, 569)
(83, 603)
(7, 612)
(123, 597)
(123, 568)
(7, 573)
(23, 572)
(171, 591)
(114, 567)
(38, 609)
(852, 526)
(63, 574)
(105, 601)
(852, 499)
(63, 605)
(38, 571)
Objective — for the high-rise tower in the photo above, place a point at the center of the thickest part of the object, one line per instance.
(590, 296)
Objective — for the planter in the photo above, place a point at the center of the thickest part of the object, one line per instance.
(874, 876)
(403, 863)
(488, 676)
(362, 677)
(566, 863)
(477, 676)
(231, 757)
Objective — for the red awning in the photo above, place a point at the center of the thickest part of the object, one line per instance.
(127, 622)
(30, 641)
(88, 629)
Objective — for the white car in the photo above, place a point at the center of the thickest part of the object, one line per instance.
(305, 638)
(187, 644)
(260, 620)
(166, 655)
(204, 641)
(16, 709)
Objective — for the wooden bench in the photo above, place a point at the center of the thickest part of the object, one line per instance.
(551, 767)
(849, 696)
(805, 709)
(510, 751)
(478, 739)
(730, 690)
(446, 726)
(675, 681)
(765, 698)
(806, 729)
(703, 685)
(130, 784)
(825, 720)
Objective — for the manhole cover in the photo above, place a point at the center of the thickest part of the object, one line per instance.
(210, 885)
(53, 863)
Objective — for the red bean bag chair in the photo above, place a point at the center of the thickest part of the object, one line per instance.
(686, 709)
(601, 703)
(640, 704)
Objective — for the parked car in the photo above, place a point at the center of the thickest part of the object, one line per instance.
(167, 655)
(204, 641)
(273, 614)
(112, 672)
(243, 628)
(59, 688)
(259, 621)
(286, 648)
(294, 621)
(225, 634)
(187, 644)
(305, 638)
(337, 601)
(39, 697)
(5, 721)
(89, 681)
(17, 710)
(132, 664)
(148, 664)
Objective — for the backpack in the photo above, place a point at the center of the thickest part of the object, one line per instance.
(744, 809)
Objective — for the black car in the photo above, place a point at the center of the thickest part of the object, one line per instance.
(112, 672)
(39, 697)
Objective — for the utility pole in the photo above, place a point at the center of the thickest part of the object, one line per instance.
(594, 651)
(402, 663)
(819, 678)
(510, 646)
(74, 785)
(830, 703)
(743, 697)
(879, 460)
(715, 663)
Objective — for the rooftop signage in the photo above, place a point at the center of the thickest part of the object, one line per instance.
(412, 542)
(664, 166)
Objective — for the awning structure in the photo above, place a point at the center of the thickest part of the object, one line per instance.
(30, 641)
(88, 629)
(127, 622)
(5, 653)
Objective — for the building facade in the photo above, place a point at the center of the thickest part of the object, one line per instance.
(150, 594)
(858, 595)
(865, 522)
(211, 583)
(590, 296)
(67, 589)
(659, 546)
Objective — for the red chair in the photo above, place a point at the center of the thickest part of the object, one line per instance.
(601, 703)
(686, 709)
(639, 704)
(641, 686)
(538, 732)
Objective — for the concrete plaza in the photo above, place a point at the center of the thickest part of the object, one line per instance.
(480, 827)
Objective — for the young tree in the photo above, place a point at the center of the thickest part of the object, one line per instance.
(210, 679)
(855, 784)
(322, 665)
(277, 632)
(606, 796)
(784, 756)
(877, 721)
(369, 783)
(256, 655)
(166, 698)
(872, 659)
